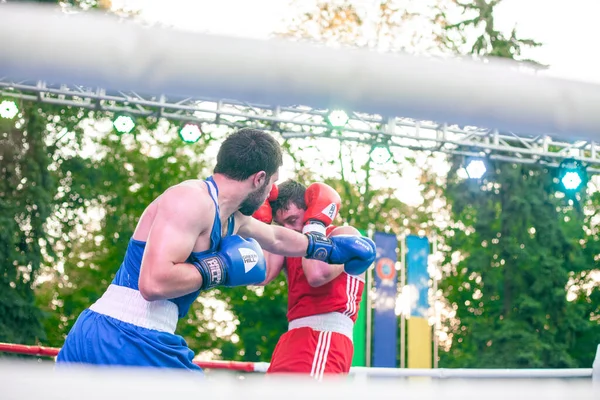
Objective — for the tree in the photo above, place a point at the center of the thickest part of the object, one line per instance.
(482, 216)
(513, 249)
(368, 201)
(507, 282)
(70, 211)
(27, 189)
(477, 34)
(80, 253)
(386, 25)
(263, 312)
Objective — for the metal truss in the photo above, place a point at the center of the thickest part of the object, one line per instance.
(301, 122)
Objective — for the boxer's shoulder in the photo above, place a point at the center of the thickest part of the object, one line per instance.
(189, 188)
(196, 185)
(191, 198)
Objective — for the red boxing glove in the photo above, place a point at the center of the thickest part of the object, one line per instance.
(322, 206)
(265, 212)
(273, 193)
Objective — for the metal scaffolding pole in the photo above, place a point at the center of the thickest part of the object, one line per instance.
(301, 122)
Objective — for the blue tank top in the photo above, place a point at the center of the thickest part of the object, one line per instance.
(128, 274)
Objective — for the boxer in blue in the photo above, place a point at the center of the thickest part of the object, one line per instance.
(196, 235)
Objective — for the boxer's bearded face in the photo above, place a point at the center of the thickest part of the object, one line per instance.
(255, 199)
(292, 218)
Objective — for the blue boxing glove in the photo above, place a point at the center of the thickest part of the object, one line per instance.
(237, 262)
(362, 259)
(357, 253)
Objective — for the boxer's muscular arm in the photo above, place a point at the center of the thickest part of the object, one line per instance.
(319, 273)
(180, 218)
(272, 238)
(274, 266)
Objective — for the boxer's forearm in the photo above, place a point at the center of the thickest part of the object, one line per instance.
(274, 266)
(318, 273)
(287, 242)
(275, 239)
(170, 282)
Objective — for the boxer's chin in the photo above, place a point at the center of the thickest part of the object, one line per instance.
(248, 209)
(252, 202)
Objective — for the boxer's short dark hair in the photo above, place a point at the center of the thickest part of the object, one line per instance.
(247, 152)
(290, 192)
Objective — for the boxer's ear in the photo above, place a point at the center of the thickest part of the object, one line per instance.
(259, 179)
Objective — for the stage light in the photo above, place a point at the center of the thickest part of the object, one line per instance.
(476, 169)
(380, 154)
(8, 109)
(338, 118)
(572, 175)
(571, 180)
(190, 133)
(124, 124)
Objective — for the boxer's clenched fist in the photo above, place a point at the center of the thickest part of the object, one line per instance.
(265, 212)
(322, 206)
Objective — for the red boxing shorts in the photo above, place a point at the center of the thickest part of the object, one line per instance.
(307, 351)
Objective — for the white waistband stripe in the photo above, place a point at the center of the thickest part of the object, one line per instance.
(330, 322)
(128, 305)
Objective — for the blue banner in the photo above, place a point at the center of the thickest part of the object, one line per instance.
(417, 276)
(385, 321)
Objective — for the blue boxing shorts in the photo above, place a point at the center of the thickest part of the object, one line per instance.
(123, 329)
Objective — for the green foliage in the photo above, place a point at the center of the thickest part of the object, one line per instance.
(262, 317)
(508, 289)
(26, 190)
(520, 248)
(369, 201)
(477, 21)
(523, 317)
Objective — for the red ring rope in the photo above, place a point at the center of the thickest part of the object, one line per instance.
(53, 352)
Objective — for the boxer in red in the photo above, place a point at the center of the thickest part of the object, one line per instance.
(323, 299)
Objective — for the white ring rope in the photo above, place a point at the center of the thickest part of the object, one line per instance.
(94, 49)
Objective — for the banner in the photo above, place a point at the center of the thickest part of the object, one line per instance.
(385, 321)
(359, 359)
(417, 281)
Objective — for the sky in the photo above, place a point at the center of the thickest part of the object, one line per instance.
(568, 29)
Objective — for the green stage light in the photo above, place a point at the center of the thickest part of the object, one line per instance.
(190, 133)
(476, 169)
(571, 180)
(338, 118)
(124, 124)
(380, 154)
(572, 175)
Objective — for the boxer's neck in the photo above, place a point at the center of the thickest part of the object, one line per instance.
(231, 194)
